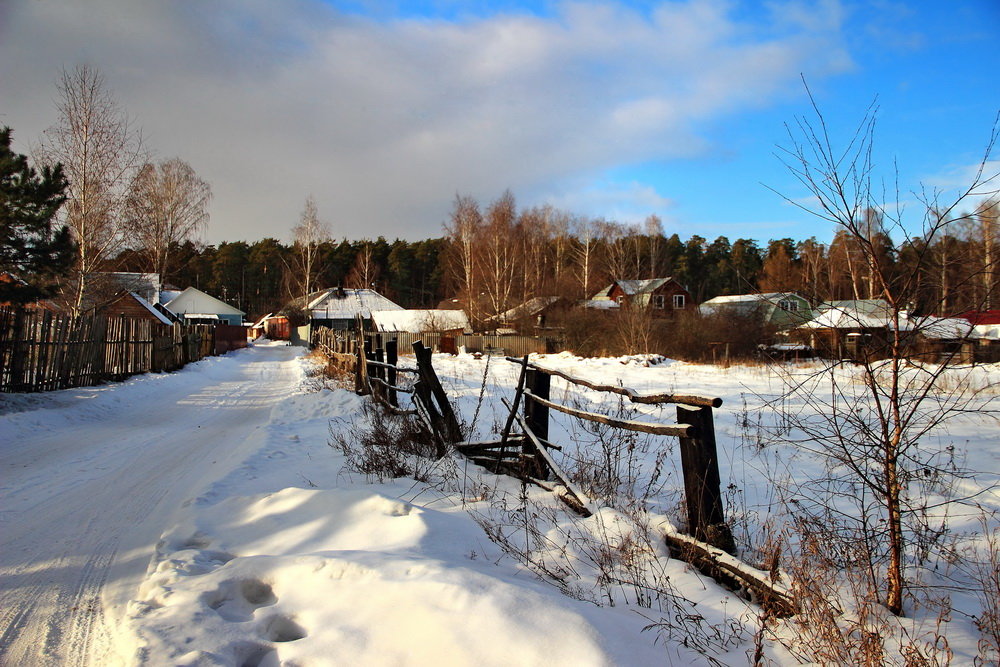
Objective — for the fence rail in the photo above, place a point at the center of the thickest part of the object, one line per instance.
(43, 351)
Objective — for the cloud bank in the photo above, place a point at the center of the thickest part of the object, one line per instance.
(384, 120)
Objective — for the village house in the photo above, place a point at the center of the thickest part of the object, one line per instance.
(781, 310)
(340, 308)
(662, 295)
(532, 316)
(193, 306)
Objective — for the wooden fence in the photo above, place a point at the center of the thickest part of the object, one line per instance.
(524, 452)
(43, 351)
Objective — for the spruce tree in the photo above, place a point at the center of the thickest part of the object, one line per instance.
(32, 248)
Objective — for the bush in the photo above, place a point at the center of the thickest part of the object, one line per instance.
(383, 446)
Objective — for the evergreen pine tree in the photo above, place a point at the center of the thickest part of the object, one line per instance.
(31, 247)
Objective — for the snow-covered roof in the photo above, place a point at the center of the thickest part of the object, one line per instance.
(528, 308)
(843, 318)
(941, 328)
(168, 295)
(418, 321)
(346, 304)
(193, 301)
(873, 307)
(259, 323)
(633, 287)
(600, 304)
(763, 297)
(986, 331)
(937, 328)
(148, 306)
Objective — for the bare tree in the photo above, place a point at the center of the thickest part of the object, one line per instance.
(167, 204)
(585, 253)
(499, 247)
(654, 239)
(307, 235)
(365, 270)
(100, 150)
(463, 229)
(986, 216)
(872, 431)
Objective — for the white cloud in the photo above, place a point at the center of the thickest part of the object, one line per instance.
(384, 121)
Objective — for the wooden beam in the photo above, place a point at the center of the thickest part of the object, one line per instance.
(676, 430)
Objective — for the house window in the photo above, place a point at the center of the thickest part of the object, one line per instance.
(789, 305)
(659, 301)
(619, 299)
(678, 302)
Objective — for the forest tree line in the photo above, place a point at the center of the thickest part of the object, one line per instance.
(495, 257)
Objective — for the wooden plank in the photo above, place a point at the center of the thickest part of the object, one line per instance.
(582, 502)
(676, 430)
(517, 401)
(451, 430)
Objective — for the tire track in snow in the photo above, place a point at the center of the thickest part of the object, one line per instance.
(90, 513)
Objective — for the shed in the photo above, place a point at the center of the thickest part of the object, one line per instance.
(533, 313)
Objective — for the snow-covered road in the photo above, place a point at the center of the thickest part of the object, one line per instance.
(89, 478)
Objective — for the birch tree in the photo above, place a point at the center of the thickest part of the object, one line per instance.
(100, 150)
(498, 266)
(585, 253)
(307, 235)
(987, 215)
(463, 228)
(167, 205)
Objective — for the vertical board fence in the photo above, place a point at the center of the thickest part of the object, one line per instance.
(44, 351)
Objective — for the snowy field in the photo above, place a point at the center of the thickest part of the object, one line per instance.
(204, 518)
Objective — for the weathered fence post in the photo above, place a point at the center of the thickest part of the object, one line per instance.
(700, 463)
(378, 389)
(536, 416)
(362, 386)
(430, 387)
(391, 358)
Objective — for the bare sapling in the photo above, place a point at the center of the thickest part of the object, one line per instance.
(871, 419)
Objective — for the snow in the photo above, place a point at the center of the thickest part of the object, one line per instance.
(202, 518)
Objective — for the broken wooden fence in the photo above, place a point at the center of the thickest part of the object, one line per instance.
(373, 361)
(526, 454)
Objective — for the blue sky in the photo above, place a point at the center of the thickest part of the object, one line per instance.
(385, 110)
